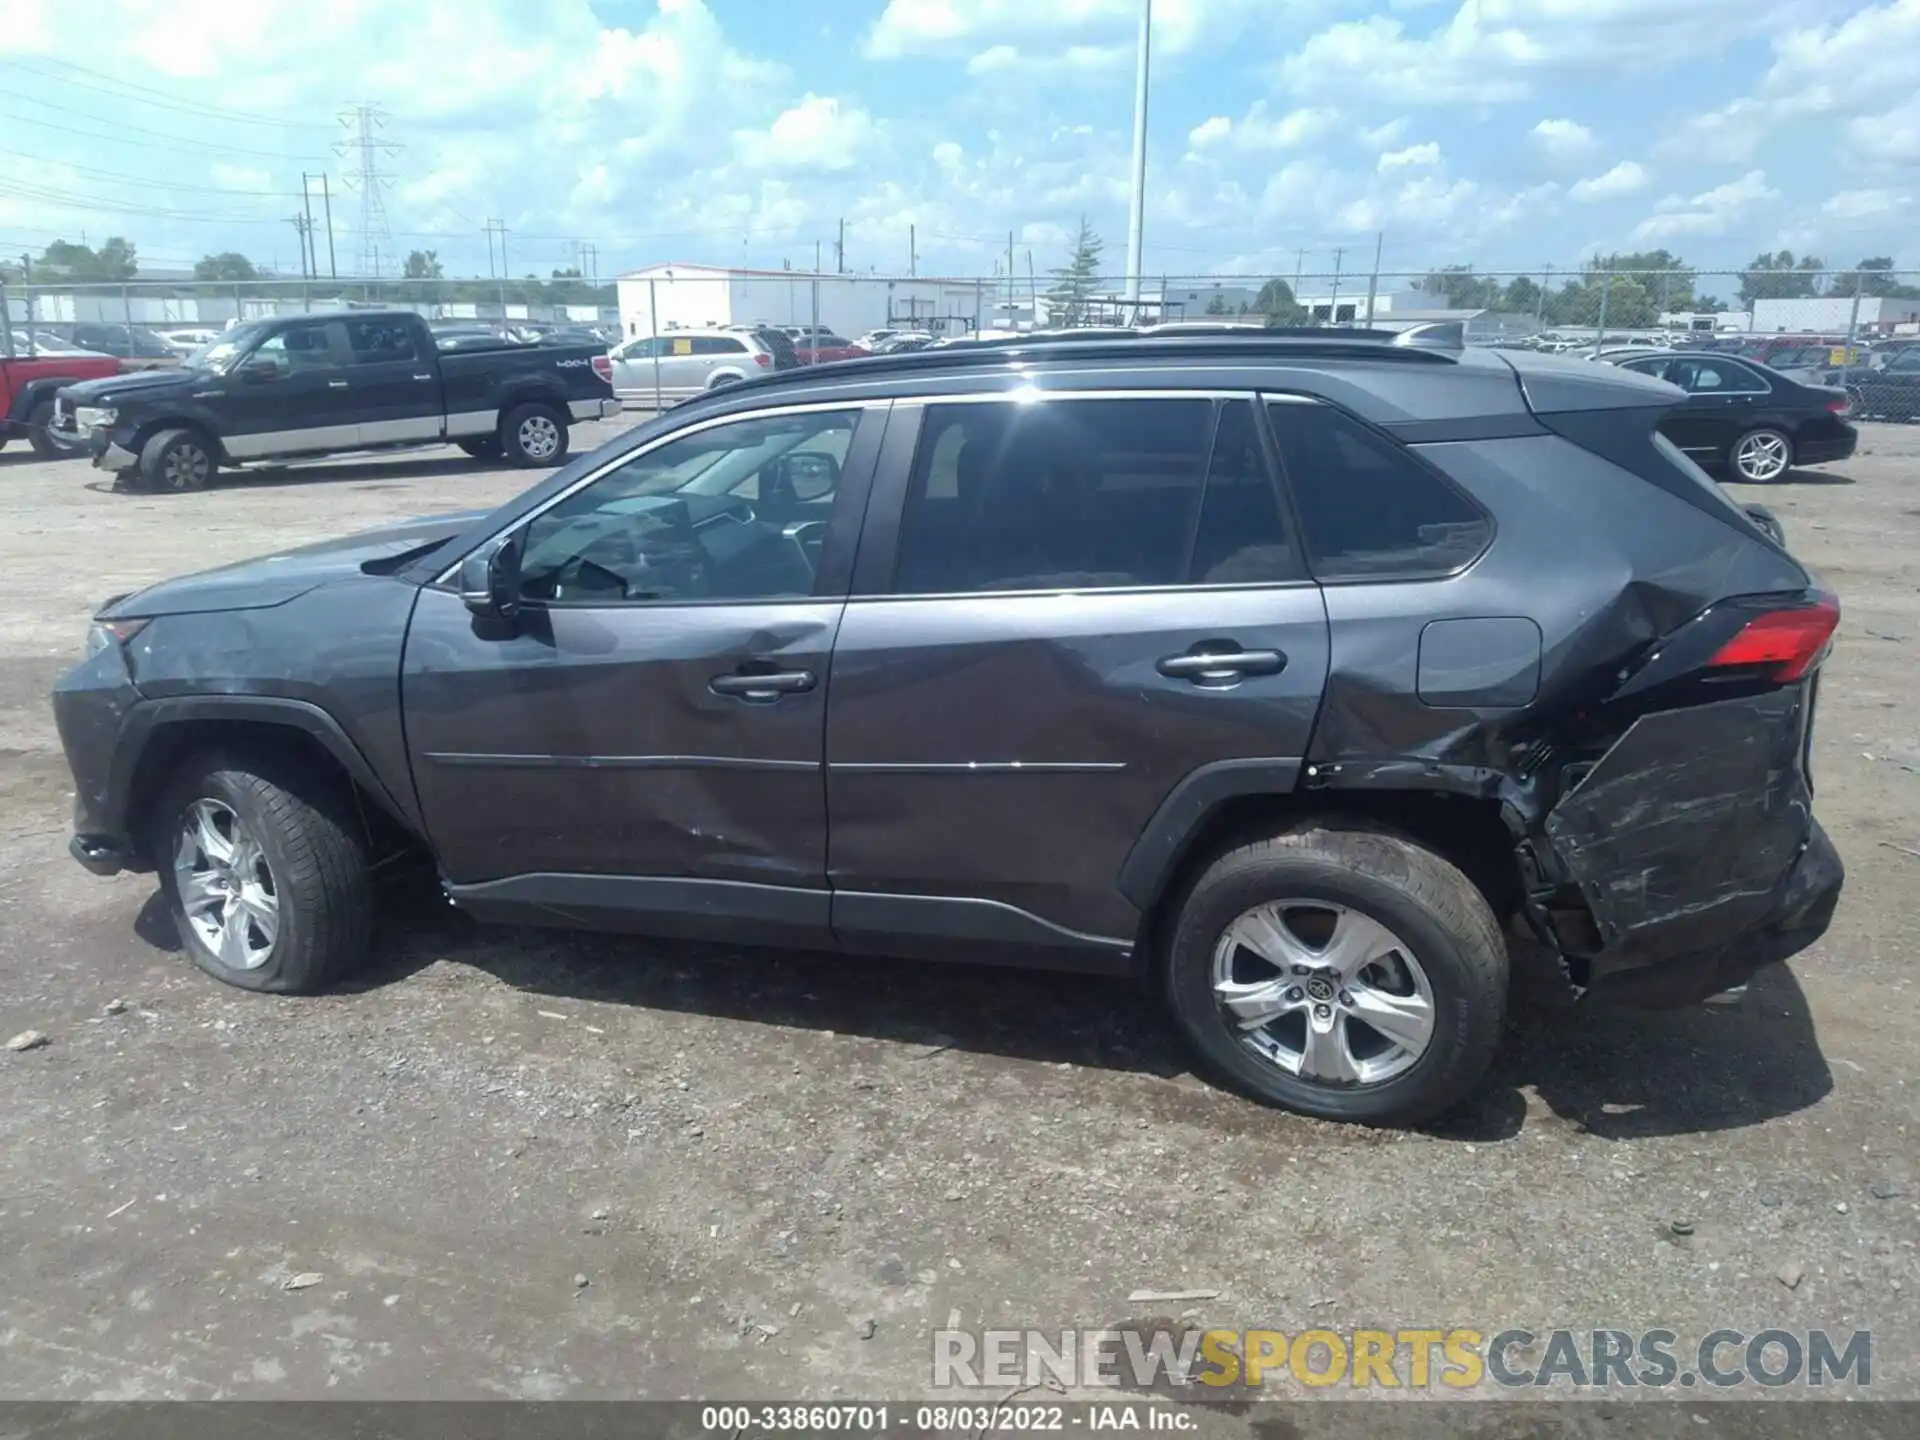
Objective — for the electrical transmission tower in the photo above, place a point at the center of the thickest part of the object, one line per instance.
(364, 147)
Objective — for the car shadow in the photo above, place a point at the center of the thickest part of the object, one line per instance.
(1615, 1074)
(1796, 476)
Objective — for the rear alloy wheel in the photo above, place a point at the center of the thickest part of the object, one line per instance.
(1343, 973)
(1760, 456)
(47, 442)
(533, 435)
(176, 461)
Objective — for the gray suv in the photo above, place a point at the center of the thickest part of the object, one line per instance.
(1295, 674)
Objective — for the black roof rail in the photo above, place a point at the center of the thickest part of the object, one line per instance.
(1234, 344)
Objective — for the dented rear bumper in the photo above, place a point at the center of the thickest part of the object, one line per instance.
(1694, 846)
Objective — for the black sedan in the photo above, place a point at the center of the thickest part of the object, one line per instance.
(1751, 420)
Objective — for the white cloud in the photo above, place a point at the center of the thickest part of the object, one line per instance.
(938, 27)
(1854, 206)
(1258, 130)
(1719, 211)
(1074, 61)
(1495, 51)
(1892, 138)
(816, 134)
(1410, 158)
(1825, 68)
(1385, 137)
(1566, 142)
(1626, 178)
(1727, 136)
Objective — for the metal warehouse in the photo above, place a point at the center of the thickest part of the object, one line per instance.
(675, 296)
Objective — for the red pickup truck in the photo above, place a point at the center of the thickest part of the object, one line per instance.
(816, 345)
(27, 387)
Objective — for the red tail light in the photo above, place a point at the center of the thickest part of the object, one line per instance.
(1842, 406)
(762, 359)
(1793, 640)
(603, 367)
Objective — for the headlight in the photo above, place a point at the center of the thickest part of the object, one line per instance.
(105, 634)
(94, 417)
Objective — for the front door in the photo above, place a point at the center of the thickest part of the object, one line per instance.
(394, 389)
(1723, 398)
(291, 394)
(1085, 601)
(641, 747)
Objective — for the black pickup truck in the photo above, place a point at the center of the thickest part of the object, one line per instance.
(305, 385)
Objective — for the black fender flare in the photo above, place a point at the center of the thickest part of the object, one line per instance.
(33, 392)
(1168, 836)
(533, 392)
(150, 719)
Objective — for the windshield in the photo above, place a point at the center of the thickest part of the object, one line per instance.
(220, 355)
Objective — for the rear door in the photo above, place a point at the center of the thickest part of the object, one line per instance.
(394, 388)
(1065, 606)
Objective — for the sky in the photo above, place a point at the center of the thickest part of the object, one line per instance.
(1506, 134)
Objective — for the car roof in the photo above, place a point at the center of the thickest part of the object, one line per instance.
(1395, 384)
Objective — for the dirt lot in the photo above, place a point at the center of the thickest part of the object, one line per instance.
(777, 1173)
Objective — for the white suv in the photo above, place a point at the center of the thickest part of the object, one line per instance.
(683, 363)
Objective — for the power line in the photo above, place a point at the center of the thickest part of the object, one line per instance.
(128, 130)
(140, 94)
(124, 179)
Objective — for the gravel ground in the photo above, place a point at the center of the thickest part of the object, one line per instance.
(777, 1173)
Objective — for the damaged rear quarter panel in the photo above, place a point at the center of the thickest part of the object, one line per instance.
(1679, 835)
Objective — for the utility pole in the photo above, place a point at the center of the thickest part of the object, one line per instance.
(499, 226)
(1540, 305)
(1033, 295)
(326, 200)
(1333, 305)
(301, 225)
(1373, 281)
(1137, 207)
(1010, 300)
(816, 257)
(913, 252)
(306, 204)
(840, 250)
(1299, 268)
(365, 124)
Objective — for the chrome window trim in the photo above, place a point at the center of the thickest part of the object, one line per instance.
(448, 578)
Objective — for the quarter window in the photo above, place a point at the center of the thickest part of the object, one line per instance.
(1089, 494)
(1370, 510)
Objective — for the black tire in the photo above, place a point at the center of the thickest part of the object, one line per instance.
(176, 461)
(315, 860)
(41, 437)
(1440, 916)
(484, 447)
(524, 427)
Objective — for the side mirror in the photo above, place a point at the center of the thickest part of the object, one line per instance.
(490, 579)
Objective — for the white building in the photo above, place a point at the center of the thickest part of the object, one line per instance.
(677, 296)
(1828, 314)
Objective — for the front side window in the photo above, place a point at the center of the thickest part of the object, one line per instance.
(1370, 510)
(735, 512)
(1089, 494)
(301, 348)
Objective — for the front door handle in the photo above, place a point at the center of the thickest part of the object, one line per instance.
(762, 686)
(1221, 667)
(336, 384)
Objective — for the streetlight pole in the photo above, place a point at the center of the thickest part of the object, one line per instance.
(1137, 210)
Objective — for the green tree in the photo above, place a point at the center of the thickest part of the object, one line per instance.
(422, 265)
(1873, 277)
(1276, 302)
(227, 265)
(1073, 283)
(1464, 289)
(1521, 297)
(1779, 277)
(62, 260)
(1217, 305)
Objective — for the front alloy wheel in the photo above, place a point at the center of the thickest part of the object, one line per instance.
(226, 887)
(1762, 455)
(1323, 992)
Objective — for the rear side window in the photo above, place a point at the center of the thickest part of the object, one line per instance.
(1090, 494)
(1369, 510)
(380, 342)
(718, 345)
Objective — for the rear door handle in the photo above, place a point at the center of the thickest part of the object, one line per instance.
(1220, 667)
(336, 384)
(764, 686)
